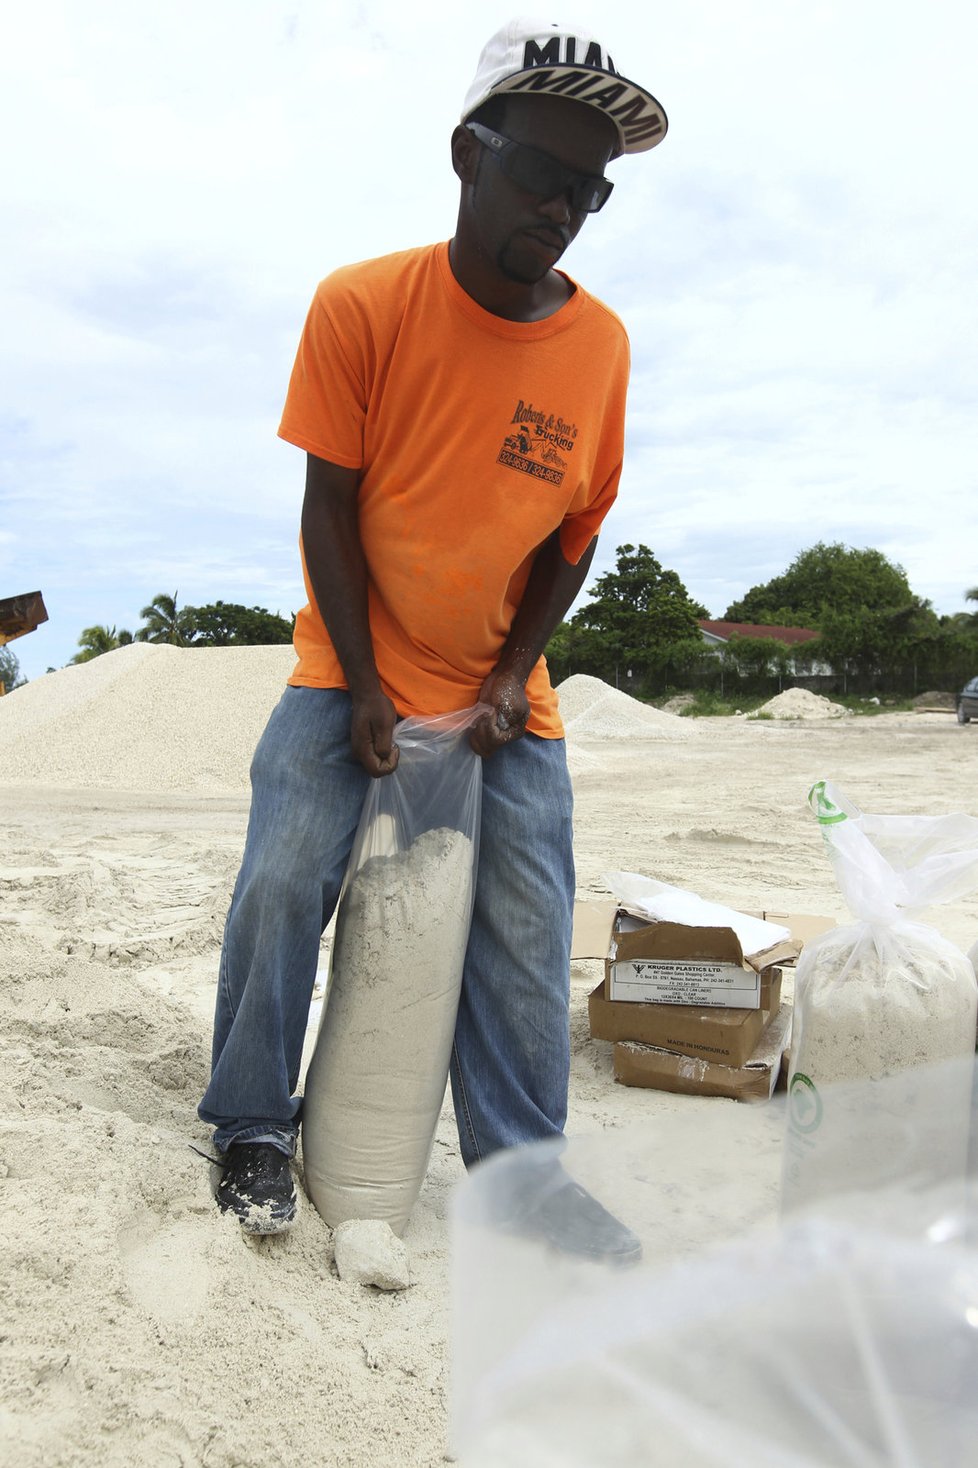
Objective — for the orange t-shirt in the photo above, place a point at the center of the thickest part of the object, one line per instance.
(476, 438)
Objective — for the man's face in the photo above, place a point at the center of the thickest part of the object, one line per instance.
(524, 234)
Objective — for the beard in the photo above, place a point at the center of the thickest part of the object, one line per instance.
(521, 265)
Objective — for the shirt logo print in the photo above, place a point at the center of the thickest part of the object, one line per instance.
(537, 444)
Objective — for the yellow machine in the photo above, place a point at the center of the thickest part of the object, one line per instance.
(20, 615)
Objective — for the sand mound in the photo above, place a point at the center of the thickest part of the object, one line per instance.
(140, 1328)
(145, 717)
(157, 718)
(678, 703)
(935, 700)
(801, 703)
(580, 759)
(591, 709)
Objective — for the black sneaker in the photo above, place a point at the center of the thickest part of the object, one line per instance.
(573, 1222)
(257, 1186)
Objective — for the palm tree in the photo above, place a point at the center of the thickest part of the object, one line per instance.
(96, 640)
(972, 595)
(163, 622)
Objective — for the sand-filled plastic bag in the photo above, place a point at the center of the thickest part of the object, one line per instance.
(377, 1077)
(826, 1347)
(843, 1341)
(880, 997)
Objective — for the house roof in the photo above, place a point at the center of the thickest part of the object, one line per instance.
(723, 631)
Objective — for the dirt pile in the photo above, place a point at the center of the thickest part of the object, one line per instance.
(935, 700)
(157, 718)
(591, 709)
(145, 717)
(801, 703)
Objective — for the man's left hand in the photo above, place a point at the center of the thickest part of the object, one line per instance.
(505, 693)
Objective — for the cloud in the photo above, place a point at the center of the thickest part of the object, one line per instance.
(795, 265)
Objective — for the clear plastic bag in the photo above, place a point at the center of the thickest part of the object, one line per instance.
(377, 1077)
(842, 1341)
(880, 997)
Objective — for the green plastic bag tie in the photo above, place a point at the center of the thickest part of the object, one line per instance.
(827, 812)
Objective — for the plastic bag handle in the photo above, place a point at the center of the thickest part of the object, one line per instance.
(432, 729)
(889, 867)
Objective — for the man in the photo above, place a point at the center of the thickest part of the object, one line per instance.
(462, 411)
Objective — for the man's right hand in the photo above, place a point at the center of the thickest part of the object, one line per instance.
(372, 734)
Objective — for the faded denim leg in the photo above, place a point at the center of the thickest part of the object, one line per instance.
(307, 794)
(511, 1059)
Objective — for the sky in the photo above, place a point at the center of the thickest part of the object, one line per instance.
(796, 263)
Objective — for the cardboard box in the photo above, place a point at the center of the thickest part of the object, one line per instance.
(727, 1036)
(593, 922)
(670, 963)
(674, 963)
(662, 1070)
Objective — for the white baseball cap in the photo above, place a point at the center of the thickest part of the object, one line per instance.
(542, 58)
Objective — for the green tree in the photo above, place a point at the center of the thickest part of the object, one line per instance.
(94, 641)
(163, 621)
(226, 624)
(872, 627)
(9, 670)
(570, 651)
(878, 646)
(640, 621)
(826, 579)
(757, 660)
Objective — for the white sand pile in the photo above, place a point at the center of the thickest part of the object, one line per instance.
(580, 760)
(152, 717)
(139, 1327)
(591, 709)
(145, 717)
(801, 703)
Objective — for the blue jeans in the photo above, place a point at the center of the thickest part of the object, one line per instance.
(511, 1056)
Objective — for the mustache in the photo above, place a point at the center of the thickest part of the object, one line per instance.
(554, 234)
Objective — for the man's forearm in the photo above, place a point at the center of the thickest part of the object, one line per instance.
(552, 586)
(338, 573)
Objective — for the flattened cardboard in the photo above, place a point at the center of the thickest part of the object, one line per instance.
(727, 1036)
(663, 1070)
(592, 928)
(678, 940)
(594, 920)
(803, 926)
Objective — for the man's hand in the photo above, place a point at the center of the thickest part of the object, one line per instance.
(551, 588)
(511, 709)
(372, 734)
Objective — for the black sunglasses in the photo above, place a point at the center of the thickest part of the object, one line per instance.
(540, 174)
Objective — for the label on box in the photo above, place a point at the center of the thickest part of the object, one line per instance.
(685, 981)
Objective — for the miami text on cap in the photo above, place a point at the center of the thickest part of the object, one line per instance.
(544, 58)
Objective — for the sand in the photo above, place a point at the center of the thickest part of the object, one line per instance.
(802, 703)
(591, 709)
(137, 1325)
